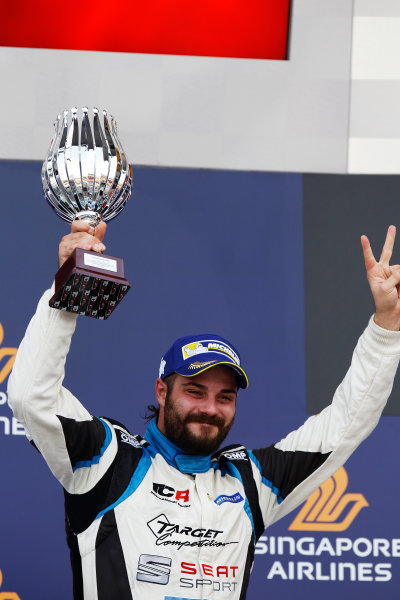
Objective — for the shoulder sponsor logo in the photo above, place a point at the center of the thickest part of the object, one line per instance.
(7, 595)
(235, 498)
(204, 346)
(180, 536)
(238, 455)
(127, 438)
(169, 494)
(154, 569)
(329, 508)
(330, 557)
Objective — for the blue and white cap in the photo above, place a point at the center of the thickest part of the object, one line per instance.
(194, 354)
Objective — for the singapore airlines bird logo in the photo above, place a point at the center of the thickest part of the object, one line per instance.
(9, 355)
(329, 508)
(7, 595)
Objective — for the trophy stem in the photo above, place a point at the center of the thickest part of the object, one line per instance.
(89, 216)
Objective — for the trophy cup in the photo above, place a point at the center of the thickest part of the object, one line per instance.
(87, 176)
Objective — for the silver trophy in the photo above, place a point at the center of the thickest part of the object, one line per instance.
(87, 176)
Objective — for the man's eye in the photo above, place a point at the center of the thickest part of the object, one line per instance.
(227, 398)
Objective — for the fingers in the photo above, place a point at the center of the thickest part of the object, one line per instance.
(388, 245)
(84, 240)
(387, 250)
(79, 226)
(81, 238)
(369, 258)
(393, 281)
(101, 230)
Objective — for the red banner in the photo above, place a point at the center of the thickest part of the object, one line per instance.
(239, 28)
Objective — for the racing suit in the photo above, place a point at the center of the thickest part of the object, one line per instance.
(144, 519)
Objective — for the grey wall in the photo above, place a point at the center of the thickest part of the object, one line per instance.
(337, 211)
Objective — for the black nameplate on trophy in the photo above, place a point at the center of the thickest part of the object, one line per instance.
(90, 284)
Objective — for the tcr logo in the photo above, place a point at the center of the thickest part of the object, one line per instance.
(327, 509)
(167, 492)
(7, 595)
(9, 355)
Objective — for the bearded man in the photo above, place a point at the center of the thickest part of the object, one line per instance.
(167, 516)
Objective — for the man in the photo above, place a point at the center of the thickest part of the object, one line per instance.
(166, 516)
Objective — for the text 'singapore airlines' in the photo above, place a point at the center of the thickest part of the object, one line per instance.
(329, 558)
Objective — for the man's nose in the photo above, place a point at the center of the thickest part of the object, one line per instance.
(208, 405)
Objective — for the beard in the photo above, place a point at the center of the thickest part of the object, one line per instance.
(202, 444)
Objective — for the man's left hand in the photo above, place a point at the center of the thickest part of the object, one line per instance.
(384, 281)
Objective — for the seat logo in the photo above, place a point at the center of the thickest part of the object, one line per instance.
(154, 569)
(330, 508)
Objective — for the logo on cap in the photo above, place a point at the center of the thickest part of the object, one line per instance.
(200, 365)
(194, 348)
(162, 367)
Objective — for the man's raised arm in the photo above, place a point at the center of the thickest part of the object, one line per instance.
(64, 432)
(294, 467)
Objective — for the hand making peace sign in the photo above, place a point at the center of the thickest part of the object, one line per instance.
(384, 281)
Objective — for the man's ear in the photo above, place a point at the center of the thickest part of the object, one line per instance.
(161, 392)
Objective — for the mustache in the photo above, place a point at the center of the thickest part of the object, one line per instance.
(203, 418)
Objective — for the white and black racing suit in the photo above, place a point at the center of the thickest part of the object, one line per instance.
(147, 521)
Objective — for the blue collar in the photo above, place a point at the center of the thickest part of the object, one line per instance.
(186, 463)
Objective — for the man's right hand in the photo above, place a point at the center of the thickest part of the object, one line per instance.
(80, 237)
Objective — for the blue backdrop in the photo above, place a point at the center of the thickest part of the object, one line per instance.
(204, 251)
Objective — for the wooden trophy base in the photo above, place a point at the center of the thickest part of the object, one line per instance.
(90, 284)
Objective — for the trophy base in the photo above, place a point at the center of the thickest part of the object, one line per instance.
(90, 284)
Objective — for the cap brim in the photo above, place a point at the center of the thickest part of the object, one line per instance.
(244, 382)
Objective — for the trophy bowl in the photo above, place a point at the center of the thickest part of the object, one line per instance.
(87, 176)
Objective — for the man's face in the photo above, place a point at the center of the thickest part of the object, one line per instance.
(196, 413)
